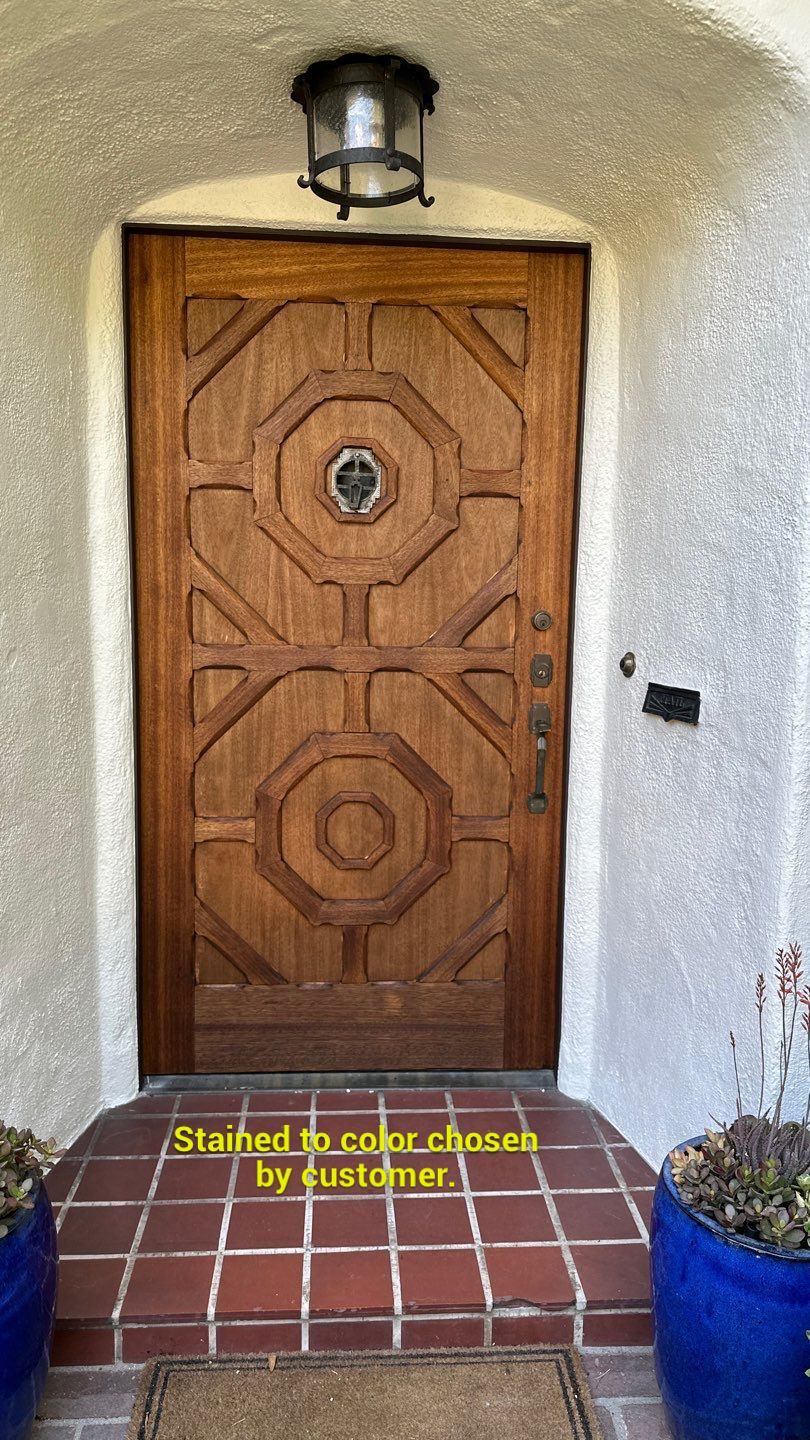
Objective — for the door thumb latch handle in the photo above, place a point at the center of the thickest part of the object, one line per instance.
(539, 725)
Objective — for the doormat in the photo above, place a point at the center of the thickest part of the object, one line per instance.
(537, 1393)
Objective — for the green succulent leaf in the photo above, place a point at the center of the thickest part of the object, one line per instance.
(753, 1178)
(24, 1160)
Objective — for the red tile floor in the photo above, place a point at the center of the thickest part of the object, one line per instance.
(182, 1254)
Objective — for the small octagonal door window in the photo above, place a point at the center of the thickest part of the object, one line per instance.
(356, 480)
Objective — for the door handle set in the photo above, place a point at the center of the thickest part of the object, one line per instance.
(539, 725)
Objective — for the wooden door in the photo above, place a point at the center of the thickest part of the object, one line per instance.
(353, 485)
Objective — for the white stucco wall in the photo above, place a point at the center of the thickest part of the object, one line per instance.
(669, 135)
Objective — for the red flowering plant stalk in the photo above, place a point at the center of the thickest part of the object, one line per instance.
(753, 1174)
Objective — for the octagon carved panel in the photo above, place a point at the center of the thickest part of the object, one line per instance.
(375, 852)
(268, 438)
(386, 910)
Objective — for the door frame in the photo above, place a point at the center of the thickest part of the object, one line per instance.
(562, 736)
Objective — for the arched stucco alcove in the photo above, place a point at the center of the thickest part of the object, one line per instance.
(669, 135)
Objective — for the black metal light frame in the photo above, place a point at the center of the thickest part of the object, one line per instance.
(393, 73)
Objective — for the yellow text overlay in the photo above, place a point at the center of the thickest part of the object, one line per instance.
(378, 1141)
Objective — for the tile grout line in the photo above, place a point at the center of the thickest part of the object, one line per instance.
(257, 1250)
(106, 1420)
(393, 1252)
(631, 1400)
(213, 1293)
(68, 1200)
(474, 1226)
(306, 1258)
(133, 1253)
(622, 1183)
(617, 1349)
(554, 1216)
(612, 1406)
(324, 1199)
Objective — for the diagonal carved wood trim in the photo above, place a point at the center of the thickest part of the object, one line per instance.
(254, 967)
(481, 715)
(278, 660)
(224, 827)
(474, 611)
(490, 483)
(466, 945)
(224, 475)
(355, 955)
(231, 604)
(227, 342)
(480, 827)
(461, 322)
(231, 708)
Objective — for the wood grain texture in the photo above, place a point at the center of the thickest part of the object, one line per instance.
(455, 629)
(231, 708)
(356, 710)
(480, 715)
(486, 482)
(227, 342)
(255, 968)
(342, 908)
(224, 827)
(487, 352)
(156, 303)
(231, 604)
(371, 849)
(392, 1027)
(553, 381)
(279, 269)
(354, 955)
(279, 659)
(355, 614)
(478, 827)
(234, 475)
(358, 335)
(370, 889)
(466, 946)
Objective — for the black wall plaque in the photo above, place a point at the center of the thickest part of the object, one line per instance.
(672, 704)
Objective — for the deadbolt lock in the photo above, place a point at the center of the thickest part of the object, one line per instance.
(542, 669)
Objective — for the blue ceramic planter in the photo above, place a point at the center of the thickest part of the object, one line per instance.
(730, 1318)
(28, 1267)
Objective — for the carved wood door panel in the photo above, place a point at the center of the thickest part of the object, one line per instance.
(353, 485)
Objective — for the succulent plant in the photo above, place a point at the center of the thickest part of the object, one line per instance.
(753, 1174)
(23, 1162)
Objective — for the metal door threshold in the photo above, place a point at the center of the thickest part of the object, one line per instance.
(360, 1080)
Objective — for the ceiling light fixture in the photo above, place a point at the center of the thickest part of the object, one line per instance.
(365, 138)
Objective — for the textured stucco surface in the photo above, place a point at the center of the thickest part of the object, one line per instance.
(671, 136)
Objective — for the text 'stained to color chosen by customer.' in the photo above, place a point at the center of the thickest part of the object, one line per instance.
(325, 1174)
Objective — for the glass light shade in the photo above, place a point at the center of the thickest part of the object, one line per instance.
(352, 117)
(364, 129)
